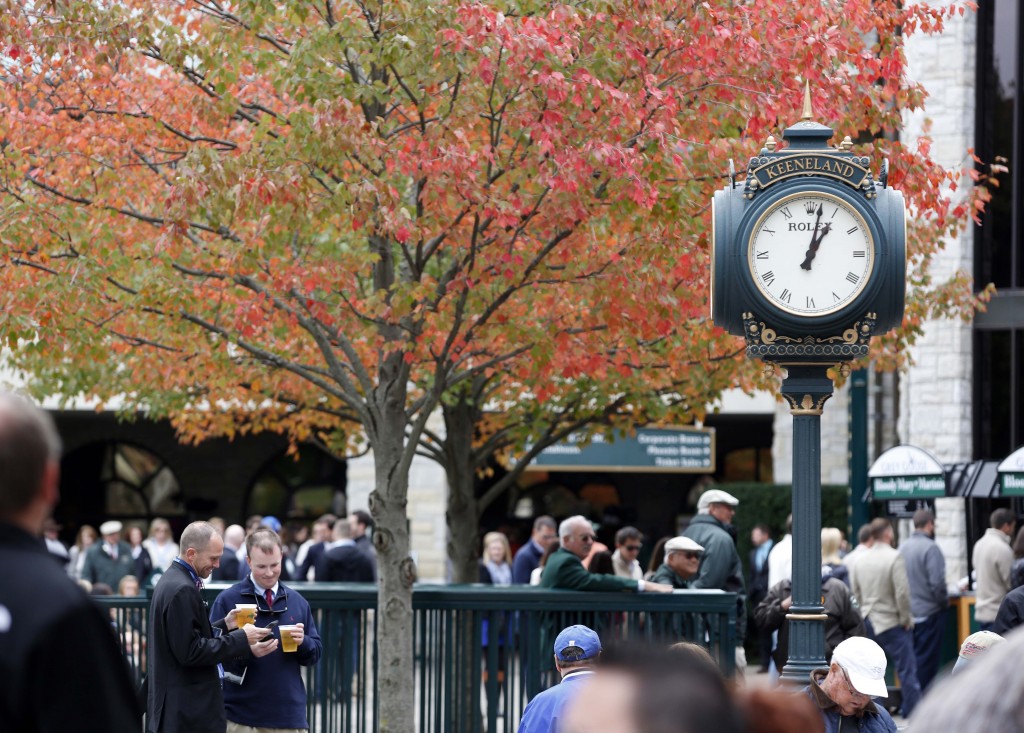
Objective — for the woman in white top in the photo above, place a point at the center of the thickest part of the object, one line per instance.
(161, 545)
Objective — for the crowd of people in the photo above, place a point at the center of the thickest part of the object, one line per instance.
(105, 557)
(210, 669)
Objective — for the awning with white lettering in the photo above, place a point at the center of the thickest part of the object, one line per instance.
(1011, 474)
(906, 472)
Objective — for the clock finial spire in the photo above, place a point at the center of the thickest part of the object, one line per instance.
(807, 113)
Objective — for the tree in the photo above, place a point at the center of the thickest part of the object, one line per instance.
(330, 219)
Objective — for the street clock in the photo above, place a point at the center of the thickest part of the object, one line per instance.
(810, 250)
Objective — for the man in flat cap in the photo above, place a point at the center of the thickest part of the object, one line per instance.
(110, 560)
(720, 565)
(682, 560)
(576, 650)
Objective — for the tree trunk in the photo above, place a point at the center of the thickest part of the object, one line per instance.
(397, 572)
(462, 515)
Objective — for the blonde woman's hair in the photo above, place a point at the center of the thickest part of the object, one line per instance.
(831, 541)
(497, 537)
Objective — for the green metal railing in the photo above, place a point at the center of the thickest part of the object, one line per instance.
(479, 653)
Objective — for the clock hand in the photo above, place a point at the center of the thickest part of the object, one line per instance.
(815, 237)
(815, 243)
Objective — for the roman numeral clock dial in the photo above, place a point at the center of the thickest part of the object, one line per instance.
(811, 254)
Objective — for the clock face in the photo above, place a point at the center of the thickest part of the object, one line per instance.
(811, 254)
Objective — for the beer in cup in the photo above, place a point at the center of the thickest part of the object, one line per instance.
(287, 642)
(246, 614)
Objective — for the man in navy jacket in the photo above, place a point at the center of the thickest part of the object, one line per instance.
(271, 694)
(545, 533)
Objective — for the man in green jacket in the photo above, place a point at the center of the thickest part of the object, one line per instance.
(564, 568)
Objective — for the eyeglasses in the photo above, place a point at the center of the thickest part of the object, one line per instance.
(237, 679)
(689, 554)
(262, 607)
(632, 548)
(855, 696)
(587, 538)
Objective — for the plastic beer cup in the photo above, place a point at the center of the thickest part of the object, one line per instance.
(246, 614)
(287, 642)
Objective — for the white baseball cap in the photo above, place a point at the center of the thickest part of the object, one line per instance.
(975, 645)
(864, 662)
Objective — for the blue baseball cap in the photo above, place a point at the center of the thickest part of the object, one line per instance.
(273, 522)
(576, 643)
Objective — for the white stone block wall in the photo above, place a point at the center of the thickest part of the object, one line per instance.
(428, 501)
(935, 393)
(835, 466)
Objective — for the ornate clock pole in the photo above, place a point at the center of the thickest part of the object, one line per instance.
(808, 262)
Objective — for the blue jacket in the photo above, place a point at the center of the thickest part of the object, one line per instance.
(525, 561)
(542, 713)
(273, 695)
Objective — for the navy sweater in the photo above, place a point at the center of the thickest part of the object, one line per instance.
(273, 695)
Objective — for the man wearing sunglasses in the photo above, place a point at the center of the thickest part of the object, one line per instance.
(844, 691)
(628, 543)
(564, 568)
(682, 560)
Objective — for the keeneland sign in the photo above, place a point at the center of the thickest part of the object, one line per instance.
(810, 163)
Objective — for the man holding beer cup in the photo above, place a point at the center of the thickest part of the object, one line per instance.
(186, 649)
(268, 692)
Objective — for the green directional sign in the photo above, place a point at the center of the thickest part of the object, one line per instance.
(905, 487)
(1011, 474)
(655, 450)
(907, 472)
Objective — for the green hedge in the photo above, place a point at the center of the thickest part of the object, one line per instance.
(771, 503)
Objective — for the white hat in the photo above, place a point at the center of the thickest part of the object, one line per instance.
(864, 662)
(716, 496)
(682, 543)
(110, 527)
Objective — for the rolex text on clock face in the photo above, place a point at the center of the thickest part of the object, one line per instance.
(811, 254)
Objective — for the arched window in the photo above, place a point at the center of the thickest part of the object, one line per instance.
(300, 486)
(118, 479)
